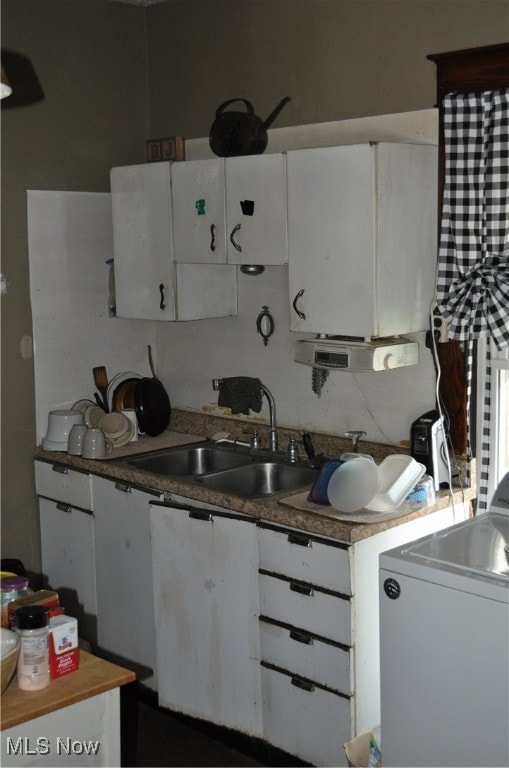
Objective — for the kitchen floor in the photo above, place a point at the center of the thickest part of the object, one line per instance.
(152, 736)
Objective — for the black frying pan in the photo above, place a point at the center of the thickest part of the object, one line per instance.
(151, 403)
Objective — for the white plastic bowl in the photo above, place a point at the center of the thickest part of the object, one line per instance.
(353, 484)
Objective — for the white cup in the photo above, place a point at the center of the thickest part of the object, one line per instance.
(95, 445)
(60, 423)
(76, 435)
(130, 413)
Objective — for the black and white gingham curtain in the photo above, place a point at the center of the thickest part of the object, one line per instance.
(473, 261)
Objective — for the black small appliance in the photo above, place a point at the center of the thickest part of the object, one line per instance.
(428, 446)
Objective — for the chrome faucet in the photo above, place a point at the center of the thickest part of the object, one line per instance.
(216, 383)
(272, 417)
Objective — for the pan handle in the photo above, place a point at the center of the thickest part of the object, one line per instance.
(150, 361)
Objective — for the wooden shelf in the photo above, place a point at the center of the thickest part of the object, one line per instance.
(93, 677)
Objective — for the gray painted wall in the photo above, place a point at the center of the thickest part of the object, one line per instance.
(115, 74)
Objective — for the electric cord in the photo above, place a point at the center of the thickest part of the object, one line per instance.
(368, 408)
(445, 450)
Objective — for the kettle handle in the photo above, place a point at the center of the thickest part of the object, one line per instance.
(221, 107)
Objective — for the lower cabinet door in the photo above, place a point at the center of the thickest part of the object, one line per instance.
(67, 550)
(125, 601)
(312, 657)
(305, 720)
(205, 567)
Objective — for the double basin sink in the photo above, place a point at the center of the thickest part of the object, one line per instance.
(225, 469)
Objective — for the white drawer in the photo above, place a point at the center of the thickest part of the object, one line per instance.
(305, 558)
(306, 655)
(310, 724)
(306, 608)
(55, 481)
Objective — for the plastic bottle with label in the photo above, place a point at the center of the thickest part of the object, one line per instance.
(32, 626)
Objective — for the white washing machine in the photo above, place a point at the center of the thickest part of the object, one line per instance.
(444, 644)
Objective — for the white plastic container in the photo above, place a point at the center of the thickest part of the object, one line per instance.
(398, 475)
(353, 484)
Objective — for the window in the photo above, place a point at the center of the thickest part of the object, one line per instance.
(499, 437)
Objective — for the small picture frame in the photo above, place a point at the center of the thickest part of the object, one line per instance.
(171, 148)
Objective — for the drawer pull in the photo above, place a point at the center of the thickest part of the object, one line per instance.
(199, 515)
(302, 590)
(302, 541)
(301, 637)
(64, 507)
(304, 684)
(124, 487)
(60, 468)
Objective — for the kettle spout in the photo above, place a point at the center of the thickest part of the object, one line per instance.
(268, 122)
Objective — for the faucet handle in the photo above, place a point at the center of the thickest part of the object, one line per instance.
(293, 450)
(356, 435)
(255, 439)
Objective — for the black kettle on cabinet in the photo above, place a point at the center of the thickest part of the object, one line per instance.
(241, 133)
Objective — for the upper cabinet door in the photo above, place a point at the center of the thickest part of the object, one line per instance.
(362, 223)
(256, 209)
(331, 239)
(199, 211)
(142, 241)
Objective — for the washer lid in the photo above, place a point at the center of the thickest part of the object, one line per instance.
(480, 545)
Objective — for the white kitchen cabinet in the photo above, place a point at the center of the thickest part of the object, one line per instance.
(205, 566)
(67, 541)
(362, 224)
(85, 733)
(123, 564)
(149, 285)
(319, 635)
(231, 210)
(198, 196)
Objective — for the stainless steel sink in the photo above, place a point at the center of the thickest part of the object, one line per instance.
(262, 478)
(191, 460)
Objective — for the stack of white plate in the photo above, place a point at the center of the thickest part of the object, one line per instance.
(93, 415)
(117, 428)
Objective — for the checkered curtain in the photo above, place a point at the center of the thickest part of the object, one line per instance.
(473, 260)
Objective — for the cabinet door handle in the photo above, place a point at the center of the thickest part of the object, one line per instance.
(162, 305)
(294, 304)
(201, 515)
(124, 487)
(232, 238)
(301, 637)
(301, 589)
(212, 237)
(64, 507)
(302, 541)
(304, 684)
(60, 468)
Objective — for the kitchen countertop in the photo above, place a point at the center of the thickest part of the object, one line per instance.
(93, 677)
(269, 508)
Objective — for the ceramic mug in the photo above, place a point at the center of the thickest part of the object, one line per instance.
(76, 435)
(95, 445)
(130, 413)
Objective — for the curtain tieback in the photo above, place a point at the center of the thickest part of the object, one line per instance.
(478, 301)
